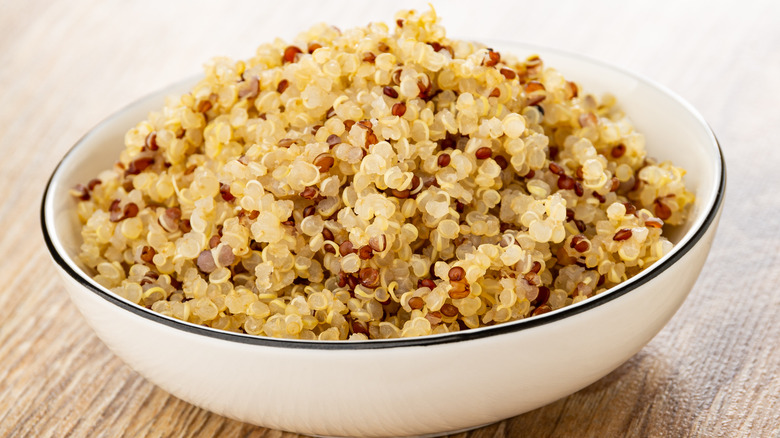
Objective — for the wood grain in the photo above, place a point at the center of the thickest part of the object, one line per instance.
(713, 371)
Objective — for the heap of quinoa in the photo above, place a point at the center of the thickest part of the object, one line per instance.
(378, 182)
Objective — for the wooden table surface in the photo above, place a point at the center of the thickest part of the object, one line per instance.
(713, 371)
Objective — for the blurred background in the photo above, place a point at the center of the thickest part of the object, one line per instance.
(64, 66)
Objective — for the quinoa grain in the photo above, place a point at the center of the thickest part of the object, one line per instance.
(377, 178)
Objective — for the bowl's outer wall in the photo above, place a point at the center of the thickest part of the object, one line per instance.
(394, 391)
(404, 390)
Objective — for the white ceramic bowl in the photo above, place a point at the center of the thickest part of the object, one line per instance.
(415, 386)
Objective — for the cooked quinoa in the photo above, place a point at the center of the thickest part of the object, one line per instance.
(378, 182)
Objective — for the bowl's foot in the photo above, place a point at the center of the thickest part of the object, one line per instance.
(430, 435)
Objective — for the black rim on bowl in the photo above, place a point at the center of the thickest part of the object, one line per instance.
(460, 336)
